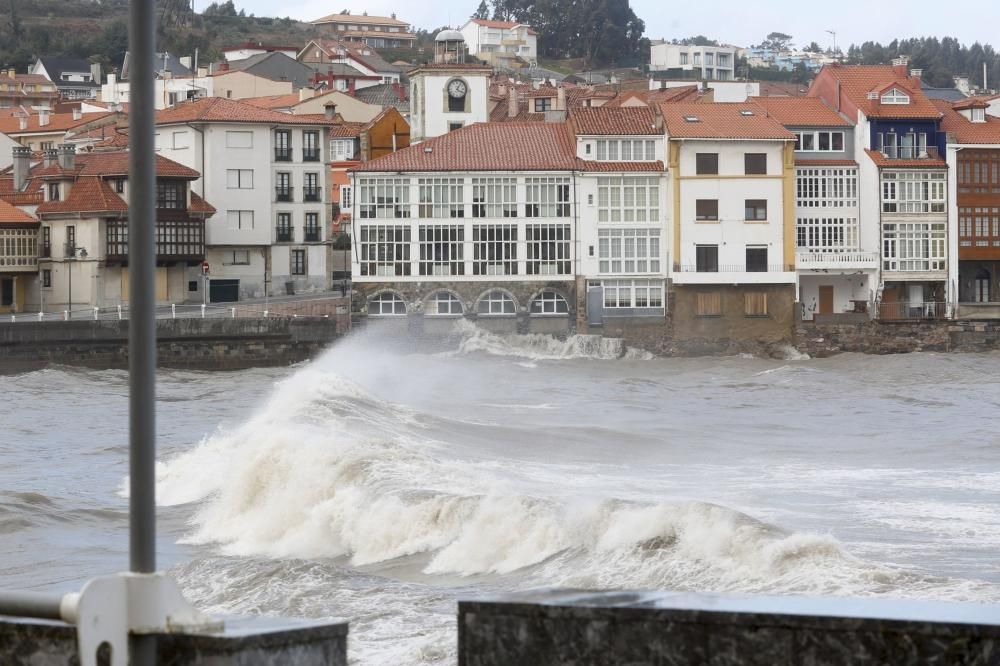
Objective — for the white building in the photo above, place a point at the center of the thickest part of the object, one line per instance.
(498, 41)
(837, 250)
(700, 62)
(251, 48)
(449, 93)
(266, 173)
(169, 90)
(733, 247)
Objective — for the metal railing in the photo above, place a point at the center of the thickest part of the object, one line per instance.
(315, 308)
(903, 311)
(283, 194)
(283, 154)
(283, 235)
(805, 259)
(311, 234)
(310, 154)
(312, 193)
(734, 268)
(910, 152)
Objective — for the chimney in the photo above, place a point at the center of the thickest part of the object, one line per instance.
(560, 99)
(67, 156)
(512, 106)
(95, 72)
(77, 113)
(22, 164)
(50, 156)
(202, 72)
(223, 66)
(22, 121)
(330, 110)
(916, 74)
(350, 87)
(43, 116)
(305, 93)
(900, 66)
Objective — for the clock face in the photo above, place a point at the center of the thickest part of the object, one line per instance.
(457, 88)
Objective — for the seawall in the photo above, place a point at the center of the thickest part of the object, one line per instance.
(202, 344)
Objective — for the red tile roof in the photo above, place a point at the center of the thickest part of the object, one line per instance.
(345, 130)
(220, 109)
(884, 162)
(110, 163)
(678, 94)
(967, 103)
(800, 111)
(858, 80)
(273, 101)
(90, 194)
(616, 120)
(964, 130)
(501, 113)
(488, 147)
(593, 165)
(507, 25)
(14, 216)
(200, 206)
(721, 121)
(58, 122)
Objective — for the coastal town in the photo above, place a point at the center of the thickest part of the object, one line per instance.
(685, 199)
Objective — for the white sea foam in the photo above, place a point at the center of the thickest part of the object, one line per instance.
(539, 347)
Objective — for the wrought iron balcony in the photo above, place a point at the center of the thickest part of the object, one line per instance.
(283, 154)
(312, 193)
(45, 250)
(282, 194)
(284, 234)
(310, 154)
(311, 234)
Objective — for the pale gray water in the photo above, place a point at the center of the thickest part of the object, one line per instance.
(380, 485)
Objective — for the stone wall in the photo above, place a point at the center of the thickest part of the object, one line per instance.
(578, 628)
(203, 344)
(243, 642)
(732, 324)
(417, 293)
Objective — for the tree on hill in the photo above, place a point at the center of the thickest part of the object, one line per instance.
(777, 41)
(697, 40)
(941, 59)
(482, 12)
(226, 8)
(813, 48)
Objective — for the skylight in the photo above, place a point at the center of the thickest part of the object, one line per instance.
(691, 119)
(746, 112)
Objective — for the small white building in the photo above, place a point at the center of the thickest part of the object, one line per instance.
(716, 63)
(448, 93)
(249, 49)
(497, 41)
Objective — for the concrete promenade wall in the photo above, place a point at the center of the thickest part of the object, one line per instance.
(243, 642)
(557, 628)
(204, 344)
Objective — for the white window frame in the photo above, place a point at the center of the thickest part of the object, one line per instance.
(627, 294)
(498, 303)
(628, 251)
(547, 197)
(494, 249)
(239, 179)
(384, 249)
(494, 197)
(236, 258)
(895, 96)
(386, 304)
(549, 249)
(441, 198)
(383, 198)
(444, 303)
(826, 234)
(239, 220)
(816, 139)
(441, 249)
(548, 303)
(826, 188)
(914, 246)
(909, 192)
(341, 150)
(628, 199)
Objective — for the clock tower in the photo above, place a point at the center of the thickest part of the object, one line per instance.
(449, 93)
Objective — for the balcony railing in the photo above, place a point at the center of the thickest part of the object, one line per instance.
(310, 154)
(282, 194)
(851, 259)
(734, 268)
(312, 193)
(911, 311)
(910, 153)
(311, 234)
(283, 154)
(284, 234)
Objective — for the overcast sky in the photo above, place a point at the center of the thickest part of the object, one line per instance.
(740, 23)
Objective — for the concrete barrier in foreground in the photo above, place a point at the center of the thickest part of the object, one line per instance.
(555, 627)
(244, 642)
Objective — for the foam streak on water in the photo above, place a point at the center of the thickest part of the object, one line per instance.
(382, 482)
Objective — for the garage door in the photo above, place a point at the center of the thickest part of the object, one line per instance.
(224, 291)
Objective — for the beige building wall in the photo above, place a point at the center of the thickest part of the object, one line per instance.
(240, 85)
(351, 109)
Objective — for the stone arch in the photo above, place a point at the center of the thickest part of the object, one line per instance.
(433, 303)
(387, 303)
(551, 302)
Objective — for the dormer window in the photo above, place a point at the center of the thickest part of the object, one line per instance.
(53, 191)
(895, 96)
(979, 115)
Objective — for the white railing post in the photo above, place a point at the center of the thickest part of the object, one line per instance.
(119, 313)
(13, 319)
(265, 314)
(97, 312)
(39, 316)
(202, 310)
(234, 313)
(65, 315)
(173, 311)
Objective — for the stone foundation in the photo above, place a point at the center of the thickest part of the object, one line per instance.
(557, 628)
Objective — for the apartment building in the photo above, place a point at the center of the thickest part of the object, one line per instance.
(974, 201)
(732, 173)
(903, 183)
(26, 90)
(266, 170)
(374, 31)
(18, 255)
(501, 43)
(837, 251)
(345, 65)
(680, 61)
(41, 129)
(81, 247)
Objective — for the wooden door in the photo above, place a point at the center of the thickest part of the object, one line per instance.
(161, 284)
(891, 308)
(826, 299)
